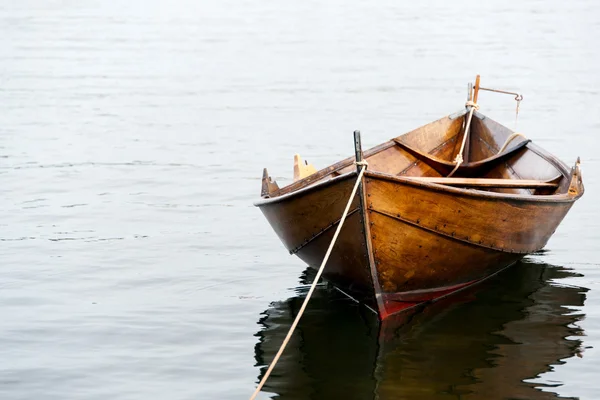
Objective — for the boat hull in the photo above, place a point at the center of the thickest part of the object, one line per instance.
(407, 243)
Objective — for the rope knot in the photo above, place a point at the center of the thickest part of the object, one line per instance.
(472, 104)
(362, 163)
(459, 159)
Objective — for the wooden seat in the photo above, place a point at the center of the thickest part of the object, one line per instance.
(487, 182)
(468, 168)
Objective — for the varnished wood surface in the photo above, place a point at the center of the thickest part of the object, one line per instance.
(418, 234)
(471, 168)
(348, 265)
(305, 224)
(491, 194)
(410, 258)
(299, 218)
(428, 138)
(510, 226)
(476, 89)
(487, 182)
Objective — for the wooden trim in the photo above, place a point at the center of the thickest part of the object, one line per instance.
(554, 198)
(487, 182)
(304, 190)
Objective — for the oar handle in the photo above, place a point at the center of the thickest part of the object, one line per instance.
(476, 89)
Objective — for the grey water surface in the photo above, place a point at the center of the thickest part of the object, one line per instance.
(132, 140)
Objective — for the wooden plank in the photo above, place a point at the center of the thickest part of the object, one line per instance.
(509, 225)
(476, 89)
(410, 258)
(487, 182)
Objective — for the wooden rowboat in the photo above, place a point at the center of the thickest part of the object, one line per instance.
(413, 234)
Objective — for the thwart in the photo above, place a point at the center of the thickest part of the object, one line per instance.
(438, 209)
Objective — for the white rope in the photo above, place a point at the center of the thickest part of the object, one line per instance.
(459, 157)
(314, 284)
(508, 140)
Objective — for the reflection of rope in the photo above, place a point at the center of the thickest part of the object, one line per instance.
(508, 139)
(314, 284)
(459, 157)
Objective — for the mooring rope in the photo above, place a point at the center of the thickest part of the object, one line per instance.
(508, 140)
(364, 165)
(459, 157)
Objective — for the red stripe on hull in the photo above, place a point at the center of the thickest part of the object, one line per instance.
(395, 303)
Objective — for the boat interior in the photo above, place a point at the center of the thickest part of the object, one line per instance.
(495, 159)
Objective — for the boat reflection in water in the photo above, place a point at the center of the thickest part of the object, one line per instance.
(488, 342)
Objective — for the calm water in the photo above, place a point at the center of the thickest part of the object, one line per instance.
(132, 139)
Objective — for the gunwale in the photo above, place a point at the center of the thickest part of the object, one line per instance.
(553, 198)
(482, 194)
